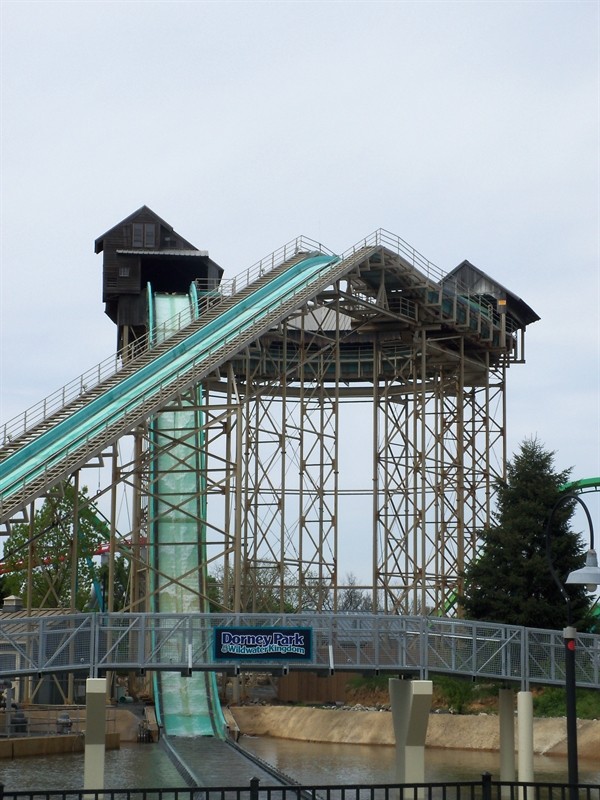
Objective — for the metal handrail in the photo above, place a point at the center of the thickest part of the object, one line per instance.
(383, 238)
(127, 357)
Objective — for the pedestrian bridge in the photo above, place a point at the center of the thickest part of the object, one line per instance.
(416, 646)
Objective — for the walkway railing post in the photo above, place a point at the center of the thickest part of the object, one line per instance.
(94, 646)
(254, 784)
(486, 786)
(424, 647)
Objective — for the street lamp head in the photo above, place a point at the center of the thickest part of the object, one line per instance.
(589, 575)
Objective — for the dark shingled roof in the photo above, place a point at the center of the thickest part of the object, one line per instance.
(470, 277)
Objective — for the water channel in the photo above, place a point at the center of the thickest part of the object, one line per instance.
(148, 766)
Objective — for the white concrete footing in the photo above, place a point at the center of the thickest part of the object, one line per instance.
(525, 737)
(411, 703)
(95, 733)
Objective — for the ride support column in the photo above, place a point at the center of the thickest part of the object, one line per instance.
(95, 734)
(411, 703)
(506, 720)
(525, 739)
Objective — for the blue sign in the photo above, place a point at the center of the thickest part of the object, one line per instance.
(280, 644)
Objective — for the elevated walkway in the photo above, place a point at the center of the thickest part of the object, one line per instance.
(368, 643)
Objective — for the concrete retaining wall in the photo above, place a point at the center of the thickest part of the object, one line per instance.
(455, 731)
(50, 745)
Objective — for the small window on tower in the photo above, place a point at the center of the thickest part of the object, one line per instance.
(149, 235)
(123, 272)
(137, 238)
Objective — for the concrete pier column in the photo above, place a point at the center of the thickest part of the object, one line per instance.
(525, 739)
(411, 703)
(506, 718)
(95, 733)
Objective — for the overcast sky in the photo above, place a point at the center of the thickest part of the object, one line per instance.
(470, 129)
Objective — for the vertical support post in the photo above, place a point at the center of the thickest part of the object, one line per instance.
(110, 605)
(411, 703)
(376, 488)
(136, 566)
(238, 521)
(109, 598)
(335, 445)
(506, 720)
(461, 510)
(30, 558)
(419, 545)
(75, 549)
(29, 597)
(569, 635)
(283, 446)
(486, 786)
(231, 484)
(95, 733)
(237, 539)
(525, 725)
(74, 580)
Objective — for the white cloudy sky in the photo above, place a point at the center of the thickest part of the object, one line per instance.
(470, 129)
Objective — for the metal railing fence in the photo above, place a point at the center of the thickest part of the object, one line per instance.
(97, 642)
(41, 719)
(484, 789)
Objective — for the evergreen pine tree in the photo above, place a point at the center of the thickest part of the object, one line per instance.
(511, 581)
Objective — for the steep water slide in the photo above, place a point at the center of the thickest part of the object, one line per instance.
(34, 458)
(185, 706)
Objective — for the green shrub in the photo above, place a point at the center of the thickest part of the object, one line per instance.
(462, 696)
(551, 702)
(457, 694)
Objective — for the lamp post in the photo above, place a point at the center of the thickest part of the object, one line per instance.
(590, 576)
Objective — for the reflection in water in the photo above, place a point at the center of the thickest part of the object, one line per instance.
(133, 766)
(318, 763)
(148, 766)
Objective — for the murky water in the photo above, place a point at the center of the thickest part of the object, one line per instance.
(310, 762)
(133, 766)
(148, 766)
